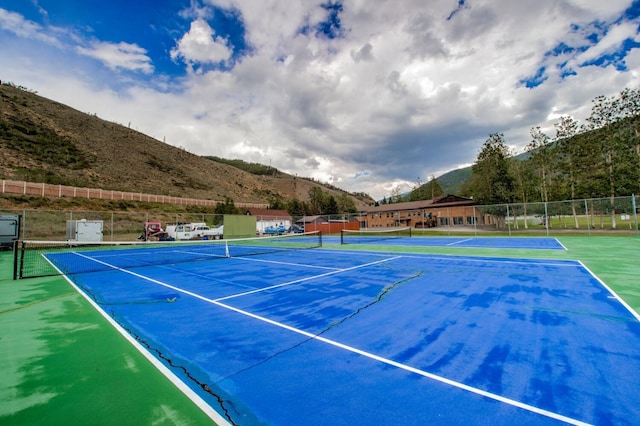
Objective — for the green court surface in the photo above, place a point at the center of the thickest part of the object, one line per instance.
(61, 362)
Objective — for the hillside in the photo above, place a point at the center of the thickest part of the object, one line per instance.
(45, 141)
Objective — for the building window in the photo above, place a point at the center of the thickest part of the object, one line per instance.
(472, 220)
(458, 220)
(444, 221)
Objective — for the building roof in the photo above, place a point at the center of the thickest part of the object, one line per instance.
(447, 200)
(266, 214)
(312, 219)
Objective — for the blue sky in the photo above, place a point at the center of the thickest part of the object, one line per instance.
(369, 96)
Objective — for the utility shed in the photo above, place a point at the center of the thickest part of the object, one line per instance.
(9, 229)
(84, 230)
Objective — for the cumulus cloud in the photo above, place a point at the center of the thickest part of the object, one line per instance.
(200, 45)
(373, 95)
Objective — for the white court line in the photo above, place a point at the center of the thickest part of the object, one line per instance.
(302, 265)
(500, 260)
(338, 271)
(613, 293)
(461, 241)
(561, 245)
(366, 354)
(164, 370)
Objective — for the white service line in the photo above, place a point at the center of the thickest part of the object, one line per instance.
(366, 354)
(461, 241)
(276, 262)
(335, 271)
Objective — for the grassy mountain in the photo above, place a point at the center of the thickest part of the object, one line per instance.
(45, 141)
(453, 181)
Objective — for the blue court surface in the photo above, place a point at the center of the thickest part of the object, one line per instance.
(546, 243)
(335, 337)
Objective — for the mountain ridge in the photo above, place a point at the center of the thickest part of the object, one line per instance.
(42, 140)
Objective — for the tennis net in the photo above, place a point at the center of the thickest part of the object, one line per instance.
(45, 258)
(365, 236)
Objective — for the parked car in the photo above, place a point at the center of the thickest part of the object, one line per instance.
(279, 230)
(214, 233)
(296, 229)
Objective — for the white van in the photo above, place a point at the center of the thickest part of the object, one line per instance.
(180, 232)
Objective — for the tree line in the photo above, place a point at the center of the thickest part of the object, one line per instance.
(599, 158)
(319, 203)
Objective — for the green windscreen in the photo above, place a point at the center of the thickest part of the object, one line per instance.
(237, 226)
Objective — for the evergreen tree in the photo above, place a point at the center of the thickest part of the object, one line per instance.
(227, 207)
(491, 182)
(330, 205)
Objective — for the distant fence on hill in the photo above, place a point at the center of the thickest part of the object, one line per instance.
(61, 191)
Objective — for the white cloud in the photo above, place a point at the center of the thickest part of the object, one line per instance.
(611, 42)
(118, 55)
(200, 45)
(17, 24)
(406, 93)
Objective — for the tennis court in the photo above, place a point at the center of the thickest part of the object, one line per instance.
(323, 336)
(403, 237)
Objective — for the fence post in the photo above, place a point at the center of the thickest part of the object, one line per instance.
(586, 212)
(546, 218)
(475, 222)
(635, 212)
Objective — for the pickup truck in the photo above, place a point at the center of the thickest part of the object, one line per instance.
(194, 231)
(209, 233)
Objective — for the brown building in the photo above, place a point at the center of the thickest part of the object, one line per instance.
(327, 225)
(446, 210)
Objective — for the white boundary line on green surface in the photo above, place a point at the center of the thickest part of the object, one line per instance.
(186, 390)
(613, 293)
(351, 349)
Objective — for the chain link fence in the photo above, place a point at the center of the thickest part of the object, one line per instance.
(617, 215)
(586, 216)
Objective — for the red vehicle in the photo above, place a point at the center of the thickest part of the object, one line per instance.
(152, 230)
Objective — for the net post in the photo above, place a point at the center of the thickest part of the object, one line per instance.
(15, 260)
(226, 249)
(409, 232)
(21, 270)
(320, 238)
(342, 237)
